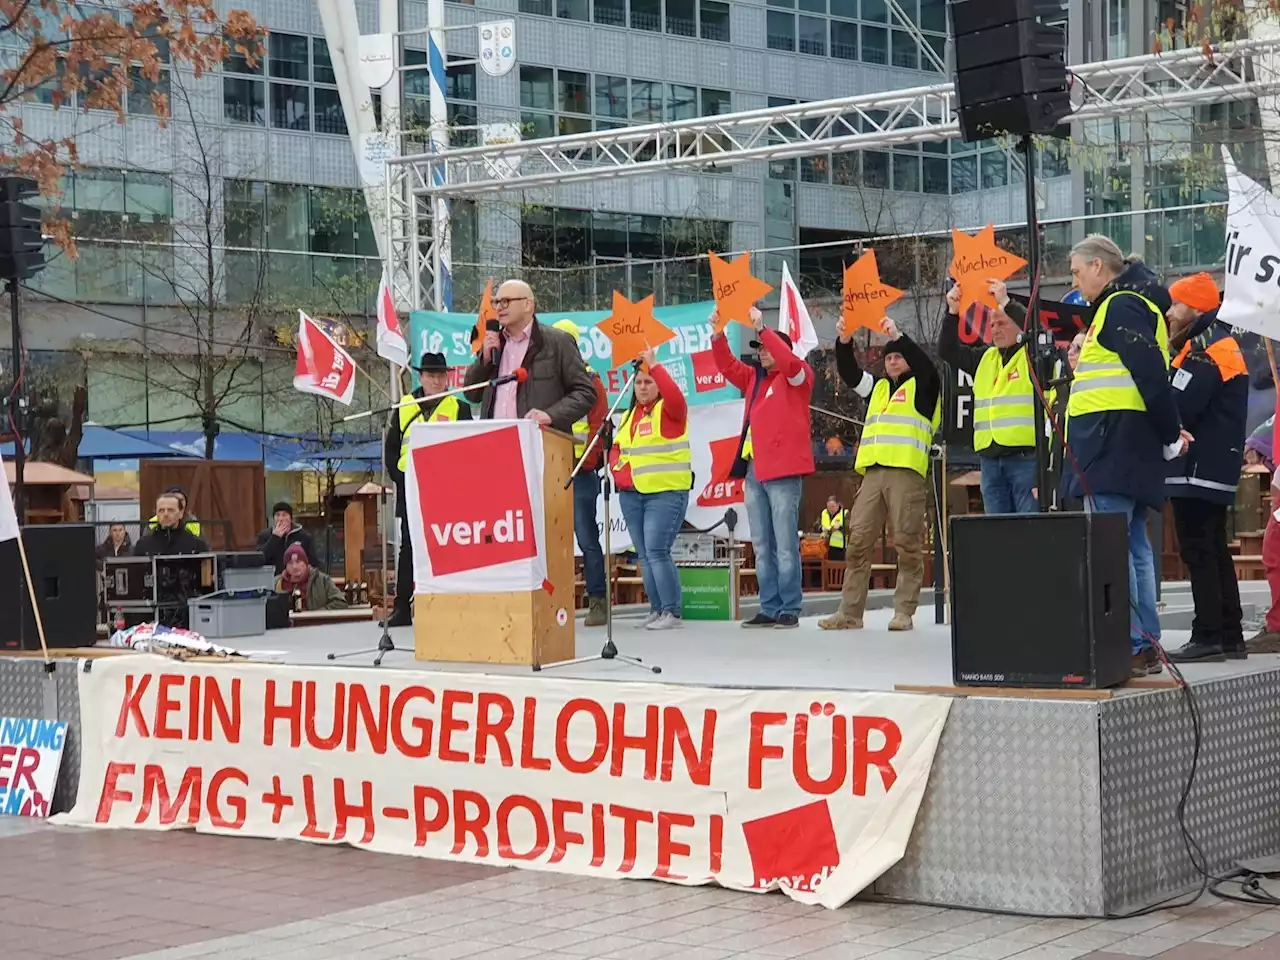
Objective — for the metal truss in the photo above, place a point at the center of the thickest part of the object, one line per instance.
(1113, 88)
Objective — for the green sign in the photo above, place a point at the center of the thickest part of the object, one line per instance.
(706, 593)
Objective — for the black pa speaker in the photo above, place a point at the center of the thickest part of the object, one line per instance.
(1011, 75)
(1040, 600)
(64, 575)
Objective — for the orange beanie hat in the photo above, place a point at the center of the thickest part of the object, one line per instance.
(1197, 291)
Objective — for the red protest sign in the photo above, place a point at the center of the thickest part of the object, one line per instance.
(722, 490)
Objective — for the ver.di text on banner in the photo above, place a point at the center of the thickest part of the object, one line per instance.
(812, 792)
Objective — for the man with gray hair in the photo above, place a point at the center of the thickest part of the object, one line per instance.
(1122, 417)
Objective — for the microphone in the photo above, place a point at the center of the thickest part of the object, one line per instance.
(493, 326)
(518, 375)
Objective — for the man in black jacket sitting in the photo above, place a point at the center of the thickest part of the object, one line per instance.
(170, 536)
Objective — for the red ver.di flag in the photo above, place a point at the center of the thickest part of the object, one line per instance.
(391, 342)
(323, 367)
(474, 491)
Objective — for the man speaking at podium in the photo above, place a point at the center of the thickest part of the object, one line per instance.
(557, 391)
(433, 378)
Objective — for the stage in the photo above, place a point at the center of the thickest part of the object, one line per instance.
(1044, 806)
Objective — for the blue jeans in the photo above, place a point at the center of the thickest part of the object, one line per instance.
(1144, 621)
(654, 520)
(773, 510)
(1007, 483)
(586, 488)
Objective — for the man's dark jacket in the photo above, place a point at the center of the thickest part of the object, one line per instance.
(164, 542)
(1121, 452)
(1212, 391)
(558, 384)
(273, 547)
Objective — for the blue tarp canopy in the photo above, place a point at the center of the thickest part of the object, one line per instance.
(370, 450)
(277, 453)
(103, 443)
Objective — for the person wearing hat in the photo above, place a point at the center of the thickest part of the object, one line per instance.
(586, 492)
(904, 411)
(1211, 386)
(190, 522)
(283, 533)
(775, 454)
(314, 588)
(1004, 411)
(433, 379)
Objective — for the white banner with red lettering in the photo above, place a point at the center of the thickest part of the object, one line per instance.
(474, 494)
(813, 792)
(714, 432)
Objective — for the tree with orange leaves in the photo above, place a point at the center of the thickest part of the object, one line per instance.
(83, 56)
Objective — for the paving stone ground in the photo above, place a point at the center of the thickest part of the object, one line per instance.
(88, 895)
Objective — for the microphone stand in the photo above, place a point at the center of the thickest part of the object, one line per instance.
(604, 438)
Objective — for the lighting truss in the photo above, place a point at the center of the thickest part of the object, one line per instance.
(1184, 78)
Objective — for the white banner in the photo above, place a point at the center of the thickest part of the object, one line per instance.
(1251, 298)
(30, 755)
(813, 792)
(474, 494)
(714, 431)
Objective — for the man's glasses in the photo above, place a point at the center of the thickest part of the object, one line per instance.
(504, 302)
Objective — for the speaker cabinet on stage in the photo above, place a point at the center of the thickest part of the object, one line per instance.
(1040, 600)
(524, 627)
(64, 574)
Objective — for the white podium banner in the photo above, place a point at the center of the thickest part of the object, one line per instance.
(474, 500)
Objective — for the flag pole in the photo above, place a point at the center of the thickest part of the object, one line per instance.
(31, 593)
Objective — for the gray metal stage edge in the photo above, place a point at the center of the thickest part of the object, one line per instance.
(1033, 806)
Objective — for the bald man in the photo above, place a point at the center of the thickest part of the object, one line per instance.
(558, 390)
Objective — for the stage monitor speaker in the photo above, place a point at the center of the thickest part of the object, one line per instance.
(1040, 600)
(1011, 75)
(64, 575)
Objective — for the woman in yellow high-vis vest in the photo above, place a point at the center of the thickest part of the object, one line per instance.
(653, 470)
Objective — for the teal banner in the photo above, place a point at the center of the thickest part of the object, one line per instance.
(687, 357)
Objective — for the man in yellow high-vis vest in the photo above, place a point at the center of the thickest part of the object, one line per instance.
(1004, 399)
(1122, 417)
(904, 410)
(586, 493)
(433, 378)
(832, 525)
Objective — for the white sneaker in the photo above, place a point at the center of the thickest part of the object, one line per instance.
(667, 621)
(653, 617)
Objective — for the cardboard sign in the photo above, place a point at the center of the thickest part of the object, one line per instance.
(632, 328)
(30, 755)
(813, 792)
(735, 289)
(865, 298)
(978, 260)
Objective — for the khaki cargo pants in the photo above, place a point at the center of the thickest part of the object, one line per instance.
(900, 495)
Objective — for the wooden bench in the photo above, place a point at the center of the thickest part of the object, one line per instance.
(1249, 567)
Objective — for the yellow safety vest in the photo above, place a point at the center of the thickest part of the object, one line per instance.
(896, 435)
(1102, 382)
(657, 463)
(581, 431)
(1004, 409)
(191, 526)
(836, 527)
(446, 409)
(746, 446)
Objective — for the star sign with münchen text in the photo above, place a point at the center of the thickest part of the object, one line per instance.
(865, 298)
(736, 290)
(978, 261)
(632, 328)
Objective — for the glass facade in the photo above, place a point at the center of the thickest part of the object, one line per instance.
(291, 87)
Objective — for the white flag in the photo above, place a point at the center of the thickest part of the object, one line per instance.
(793, 317)
(1251, 299)
(8, 519)
(391, 343)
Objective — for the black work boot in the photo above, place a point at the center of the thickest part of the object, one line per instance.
(1197, 651)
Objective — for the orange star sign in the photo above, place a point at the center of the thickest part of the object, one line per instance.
(977, 262)
(865, 298)
(632, 328)
(735, 289)
(487, 313)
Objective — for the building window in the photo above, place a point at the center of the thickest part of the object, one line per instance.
(302, 93)
(613, 13)
(646, 15)
(813, 36)
(781, 169)
(682, 18)
(459, 94)
(715, 20)
(780, 30)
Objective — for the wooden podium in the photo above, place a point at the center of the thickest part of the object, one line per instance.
(529, 628)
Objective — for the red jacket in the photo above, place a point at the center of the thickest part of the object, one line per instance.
(779, 417)
(596, 417)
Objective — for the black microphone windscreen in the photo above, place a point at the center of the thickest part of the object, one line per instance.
(493, 326)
